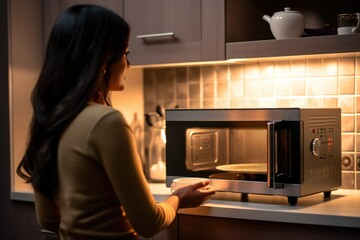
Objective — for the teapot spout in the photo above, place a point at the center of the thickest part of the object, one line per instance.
(267, 18)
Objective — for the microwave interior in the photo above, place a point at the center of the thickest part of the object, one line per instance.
(233, 150)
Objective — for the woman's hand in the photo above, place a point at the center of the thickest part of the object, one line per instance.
(194, 194)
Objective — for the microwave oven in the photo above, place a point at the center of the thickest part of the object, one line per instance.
(290, 152)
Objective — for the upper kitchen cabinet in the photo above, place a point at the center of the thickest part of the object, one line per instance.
(175, 31)
(114, 5)
(53, 8)
(249, 36)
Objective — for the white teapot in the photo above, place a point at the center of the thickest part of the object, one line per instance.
(286, 24)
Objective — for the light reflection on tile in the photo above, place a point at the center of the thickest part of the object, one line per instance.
(298, 68)
(282, 69)
(329, 67)
(252, 71)
(267, 69)
(330, 85)
(314, 86)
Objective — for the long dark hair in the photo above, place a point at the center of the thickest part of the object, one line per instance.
(83, 45)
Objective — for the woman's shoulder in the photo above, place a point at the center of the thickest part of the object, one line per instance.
(97, 112)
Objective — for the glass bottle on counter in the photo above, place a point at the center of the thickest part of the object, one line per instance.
(138, 136)
(157, 152)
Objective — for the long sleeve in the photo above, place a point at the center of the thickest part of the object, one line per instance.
(113, 143)
(47, 213)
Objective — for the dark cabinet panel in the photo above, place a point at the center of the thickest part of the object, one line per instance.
(53, 8)
(164, 31)
(173, 31)
(115, 5)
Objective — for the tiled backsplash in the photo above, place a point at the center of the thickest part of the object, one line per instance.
(322, 81)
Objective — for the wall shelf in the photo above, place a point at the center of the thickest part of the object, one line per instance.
(291, 47)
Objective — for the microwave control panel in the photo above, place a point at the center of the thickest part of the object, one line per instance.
(321, 144)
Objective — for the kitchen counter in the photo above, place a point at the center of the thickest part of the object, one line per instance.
(341, 209)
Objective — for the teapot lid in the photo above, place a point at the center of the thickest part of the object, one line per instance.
(287, 10)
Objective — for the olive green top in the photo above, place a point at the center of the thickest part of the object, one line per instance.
(103, 192)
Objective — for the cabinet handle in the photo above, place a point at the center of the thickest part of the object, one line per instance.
(155, 35)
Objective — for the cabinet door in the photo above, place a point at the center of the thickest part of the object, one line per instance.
(114, 5)
(164, 31)
(53, 8)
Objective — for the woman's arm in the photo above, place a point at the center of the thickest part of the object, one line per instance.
(114, 142)
(47, 213)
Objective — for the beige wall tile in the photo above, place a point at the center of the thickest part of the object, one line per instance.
(252, 71)
(329, 67)
(346, 66)
(348, 123)
(298, 86)
(314, 86)
(346, 85)
(314, 102)
(267, 69)
(314, 67)
(329, 102)
(330, 85)
(298, 68)
(282, 87)
(347, 142)
(347, 104)
(282, 69)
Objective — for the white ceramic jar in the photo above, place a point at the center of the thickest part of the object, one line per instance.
(286, 24)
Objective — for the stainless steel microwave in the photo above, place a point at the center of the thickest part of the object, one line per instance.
(290, 152)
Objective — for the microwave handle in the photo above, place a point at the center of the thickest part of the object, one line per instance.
(271, 156)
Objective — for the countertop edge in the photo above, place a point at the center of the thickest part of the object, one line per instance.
(260, 211)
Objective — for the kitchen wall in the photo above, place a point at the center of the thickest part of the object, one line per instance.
(312, 81)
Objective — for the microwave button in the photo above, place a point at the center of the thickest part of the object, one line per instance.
(316, 147)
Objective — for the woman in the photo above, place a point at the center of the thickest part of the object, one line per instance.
(81, 158)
